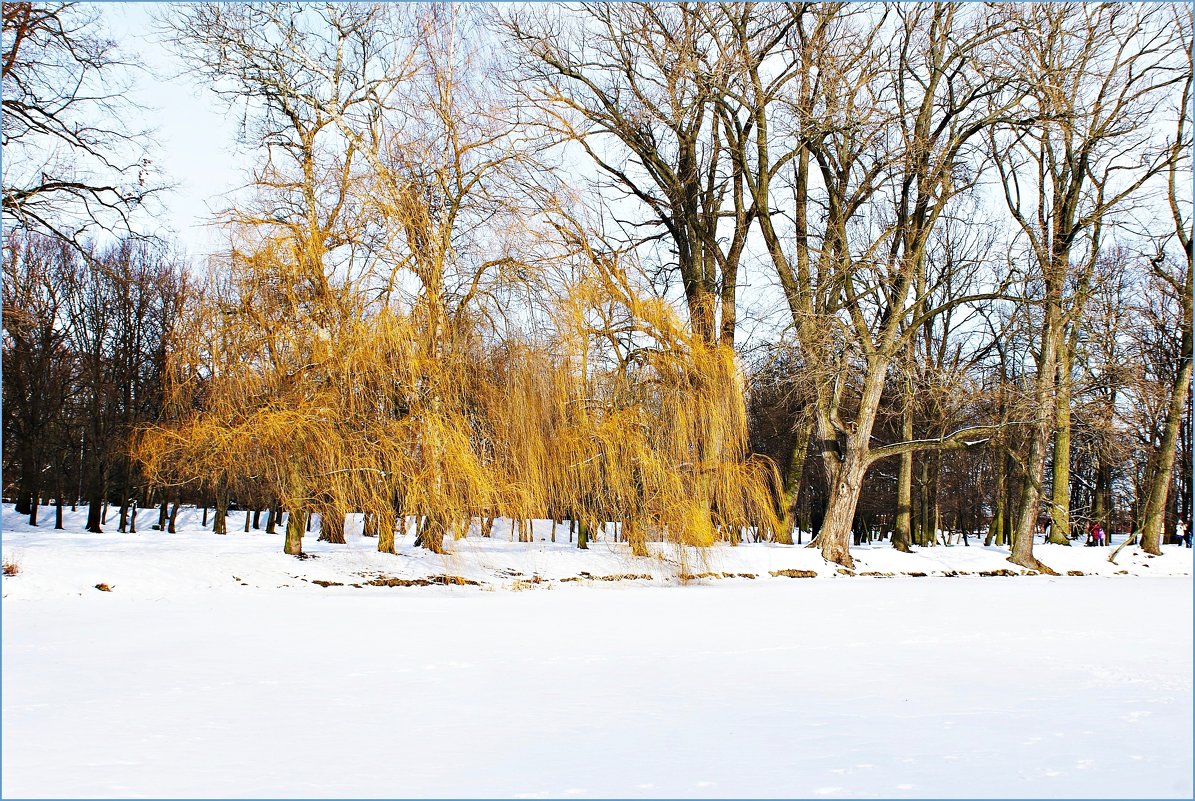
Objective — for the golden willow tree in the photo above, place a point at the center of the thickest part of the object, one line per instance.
(348, 358)
(663, 435)
(630, 419)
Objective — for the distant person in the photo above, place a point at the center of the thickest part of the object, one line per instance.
(1182, 530)
(1098, 533)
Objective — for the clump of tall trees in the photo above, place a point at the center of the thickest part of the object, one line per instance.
(705, 272)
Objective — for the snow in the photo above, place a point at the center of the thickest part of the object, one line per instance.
(182, 681)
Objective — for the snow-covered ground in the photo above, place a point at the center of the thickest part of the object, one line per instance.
(153, 564)
(217, 666)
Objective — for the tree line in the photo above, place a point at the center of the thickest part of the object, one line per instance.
(707, 272)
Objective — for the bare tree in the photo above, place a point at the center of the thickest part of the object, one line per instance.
(39, 365)
(1174, 275)
(638, 88)
(70, 163)
(885, 118)
(1094, 74)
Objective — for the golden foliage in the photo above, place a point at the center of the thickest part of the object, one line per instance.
(314, 397)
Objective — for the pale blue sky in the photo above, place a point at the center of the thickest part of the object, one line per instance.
(194, 139)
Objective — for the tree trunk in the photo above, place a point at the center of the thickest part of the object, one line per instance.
(632, 532)
(331, 527)
(1098, 510)
(999, 512)
(1060, 527)
(921, 522)
(835, 534)
(174, 516)
(934, 460)
(257, 519)
(1022, 535)
(431, 534)
(794, 477)
(1163, 458)
(902, 530)
(1014, 479)
(133, 516)
(124, 509)
(27, 493)
(163, 513)
(95, 507)
(220, 520)
(58, 503)
(384, 524)
(1039, 435)
(582, 535)
(296, 525)
(271, 519)
(24, 500)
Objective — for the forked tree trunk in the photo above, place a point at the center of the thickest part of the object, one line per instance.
(835, 535)
(174, 516)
